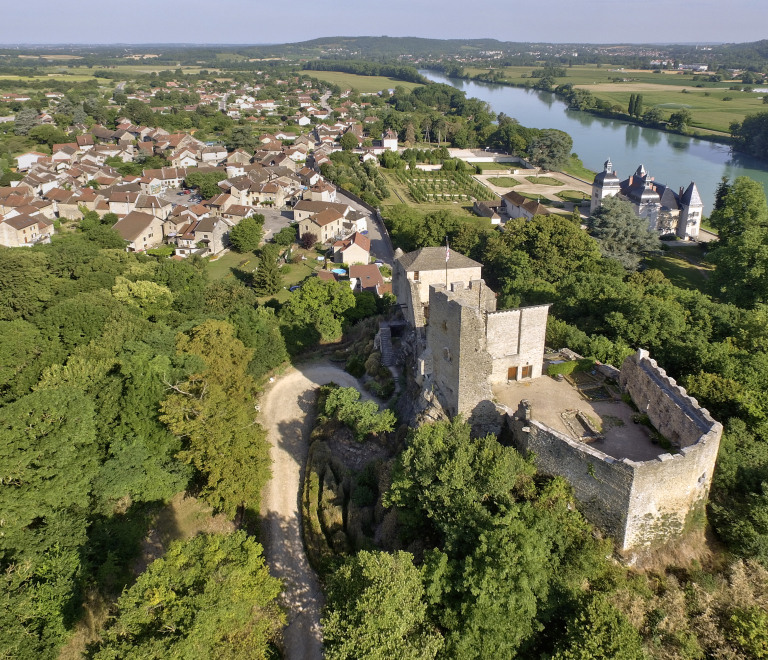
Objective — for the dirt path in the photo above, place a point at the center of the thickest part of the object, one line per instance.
(288, 415)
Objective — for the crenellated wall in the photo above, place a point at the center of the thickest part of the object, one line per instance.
(640, 504)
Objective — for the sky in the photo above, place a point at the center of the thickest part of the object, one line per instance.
(267, 21)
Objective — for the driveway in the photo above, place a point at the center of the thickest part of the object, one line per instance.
(379, 247)
(287, 411)
(274, 220)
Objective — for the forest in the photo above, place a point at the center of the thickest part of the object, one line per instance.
(124, 379)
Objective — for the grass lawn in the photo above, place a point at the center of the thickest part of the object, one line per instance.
(362, 83)
(678, 271)
(222, 267)
(576, 168)
(572, 195)
(504, 181)
(544, 181)
(494, 166)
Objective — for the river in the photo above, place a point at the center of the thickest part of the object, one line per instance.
(675, 160)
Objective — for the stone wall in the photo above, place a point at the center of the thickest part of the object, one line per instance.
(672, 412)
(515, 338)
(433, 277)
(640, 504)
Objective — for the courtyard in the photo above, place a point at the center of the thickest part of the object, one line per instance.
(555, 404)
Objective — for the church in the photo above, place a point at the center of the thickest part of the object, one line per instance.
(667, 211)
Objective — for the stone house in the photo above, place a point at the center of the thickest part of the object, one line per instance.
(25, 230)
(366, 278)
(306, 208)
(326, 225)
(142, 231)
(353, 250)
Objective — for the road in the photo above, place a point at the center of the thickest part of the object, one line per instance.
(379, 247)
(287, 412)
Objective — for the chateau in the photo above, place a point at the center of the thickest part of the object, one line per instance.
(641, 471)
(668, 212)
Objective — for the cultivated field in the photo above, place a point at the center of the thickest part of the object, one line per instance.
(360, 83)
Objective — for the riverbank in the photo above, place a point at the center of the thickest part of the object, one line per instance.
(706, 134)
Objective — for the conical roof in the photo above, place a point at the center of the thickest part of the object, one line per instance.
(691, 196)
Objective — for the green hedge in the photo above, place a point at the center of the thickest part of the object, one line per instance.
(565, 368)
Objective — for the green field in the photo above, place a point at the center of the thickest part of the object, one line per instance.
(544, 181)
(222, 267)
(576, 168)
(663, 90)
(503, 181)
(572, 196)
(679, 271)
(494, 166)
(361, 83)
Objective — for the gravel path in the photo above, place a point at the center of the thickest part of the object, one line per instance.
(288, 415)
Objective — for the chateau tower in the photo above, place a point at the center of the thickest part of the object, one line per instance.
(691, 209)
(606, 185)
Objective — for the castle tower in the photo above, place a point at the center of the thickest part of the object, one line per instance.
(606, 185)
(691, 209)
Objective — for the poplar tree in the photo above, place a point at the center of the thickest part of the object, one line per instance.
(267, 280)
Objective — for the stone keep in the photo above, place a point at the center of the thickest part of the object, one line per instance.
(471, 346)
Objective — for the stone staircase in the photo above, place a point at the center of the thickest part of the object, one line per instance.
(387, 352)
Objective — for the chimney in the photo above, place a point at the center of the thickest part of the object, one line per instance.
(682, 190)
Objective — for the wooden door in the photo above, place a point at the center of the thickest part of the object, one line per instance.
(512, 373)
(527, 371)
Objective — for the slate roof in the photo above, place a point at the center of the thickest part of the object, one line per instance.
(433, 258)
(691, 196)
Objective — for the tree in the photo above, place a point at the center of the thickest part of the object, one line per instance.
(314, 312)
(242, 138)
(213, 413)
(205, 182)
(47, 134)
(24, 121)
(348, 141)
(599, 632)
(739, 206)
(209, 597)
(681, 119)
(246, 235)
(267, 280)
(376, 610)
(259, 330)
(741, 274)
(638, 109)
(623, 235)
(139, 113)
(632, 103)
(652, 116)
(551, 149)
(308, 240)
(363, 418)
(285, 236)
(751, 135)
(49, 457)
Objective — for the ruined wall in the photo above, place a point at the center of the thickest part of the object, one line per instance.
(601, 484)
(640, 504)
(515, 338)
(670, 492)
(673, 413)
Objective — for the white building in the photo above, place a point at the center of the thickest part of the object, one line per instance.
(667, 211)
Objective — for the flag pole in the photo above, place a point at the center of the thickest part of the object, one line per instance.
(447, 254)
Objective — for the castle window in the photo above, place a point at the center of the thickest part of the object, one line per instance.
(416, 275)
(445, 326)
(446, 354)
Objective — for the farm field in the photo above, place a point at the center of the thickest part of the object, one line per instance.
(663, 90)
(361, 83)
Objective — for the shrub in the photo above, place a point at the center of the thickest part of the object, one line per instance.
(355, 366)
(570, 367)
(285, 269)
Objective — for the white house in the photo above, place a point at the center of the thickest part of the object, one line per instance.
(28, 159)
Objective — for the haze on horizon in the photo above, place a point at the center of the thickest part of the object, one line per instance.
(260, 22)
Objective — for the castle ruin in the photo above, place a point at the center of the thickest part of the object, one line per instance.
(641, 471)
